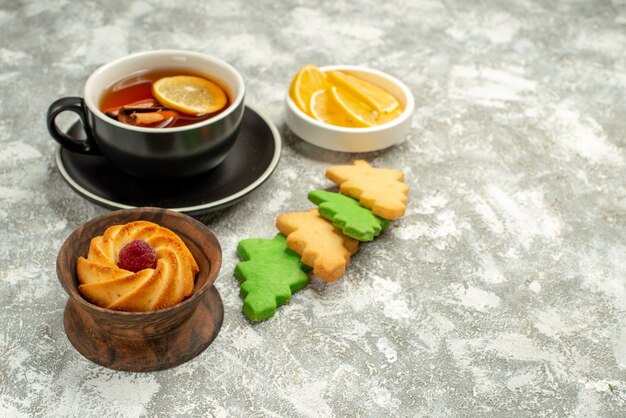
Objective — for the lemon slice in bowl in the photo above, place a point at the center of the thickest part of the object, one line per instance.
(355, 107)
(190, 94)
(325, 108)
(374, 96)
(389, 116)
(307, 82)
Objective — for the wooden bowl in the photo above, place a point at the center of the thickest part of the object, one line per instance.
(144, 341)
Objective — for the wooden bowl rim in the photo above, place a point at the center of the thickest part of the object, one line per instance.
(214, 267)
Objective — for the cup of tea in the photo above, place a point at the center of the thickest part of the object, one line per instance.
(157, 114)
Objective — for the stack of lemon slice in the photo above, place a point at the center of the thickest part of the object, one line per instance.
(341, 99)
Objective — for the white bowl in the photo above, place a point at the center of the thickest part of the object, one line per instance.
(338, 138)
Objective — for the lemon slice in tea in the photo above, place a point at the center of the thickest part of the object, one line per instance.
(374, 96)
(307, 82)
(325, 108)
(190, 94)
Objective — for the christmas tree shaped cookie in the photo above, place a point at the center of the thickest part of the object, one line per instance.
(319, 243)
(380, 189)
(270, 273)
(344, 212)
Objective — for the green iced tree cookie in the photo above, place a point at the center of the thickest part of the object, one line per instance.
(353, 219)
(269, 273)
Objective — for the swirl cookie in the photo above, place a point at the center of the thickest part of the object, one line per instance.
(139, 266)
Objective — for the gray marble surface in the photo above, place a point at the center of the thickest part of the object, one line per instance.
(502, 292)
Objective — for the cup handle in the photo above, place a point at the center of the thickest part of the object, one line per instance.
(76, 105)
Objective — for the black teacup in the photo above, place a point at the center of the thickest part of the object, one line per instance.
(154, 152)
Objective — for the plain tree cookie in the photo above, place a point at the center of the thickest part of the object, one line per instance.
(345, 213)
(380, 189)
(320, 244)
(269, 273)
